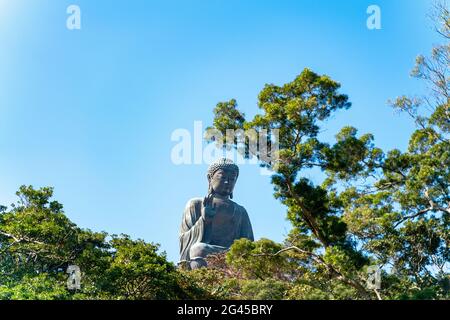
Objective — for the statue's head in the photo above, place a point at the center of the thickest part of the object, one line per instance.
(222, 176)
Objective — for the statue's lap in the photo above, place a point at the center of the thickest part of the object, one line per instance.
(202, 250)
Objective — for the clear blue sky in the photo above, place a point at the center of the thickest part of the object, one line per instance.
(91, 111)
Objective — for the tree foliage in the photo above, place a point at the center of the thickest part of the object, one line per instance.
(374, 207)
(38, 242)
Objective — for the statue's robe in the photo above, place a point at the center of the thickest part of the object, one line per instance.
(219, 234)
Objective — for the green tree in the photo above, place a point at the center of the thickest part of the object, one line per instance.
(38, 242)
(297, 109)
(390, 209)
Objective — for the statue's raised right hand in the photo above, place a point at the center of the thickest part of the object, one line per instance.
(208, 208)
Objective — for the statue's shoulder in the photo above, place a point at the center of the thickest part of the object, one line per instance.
(194, 202)
(239, 207)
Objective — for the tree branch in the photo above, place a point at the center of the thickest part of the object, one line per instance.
(334, 272)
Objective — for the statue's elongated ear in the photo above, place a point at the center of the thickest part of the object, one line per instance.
(210, 189)
(231, 195)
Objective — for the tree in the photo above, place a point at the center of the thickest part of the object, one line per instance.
(390, 209)
(418, 181)
(38, 242)
(242, 274)
(296, 109)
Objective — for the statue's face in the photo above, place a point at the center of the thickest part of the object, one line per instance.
(223, 181)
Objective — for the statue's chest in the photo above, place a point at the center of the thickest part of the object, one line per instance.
(224, 224)
(223, 218)
(225, 211)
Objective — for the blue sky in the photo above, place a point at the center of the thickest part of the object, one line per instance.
(91, 111)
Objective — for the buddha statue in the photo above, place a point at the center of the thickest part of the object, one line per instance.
(211, 224)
